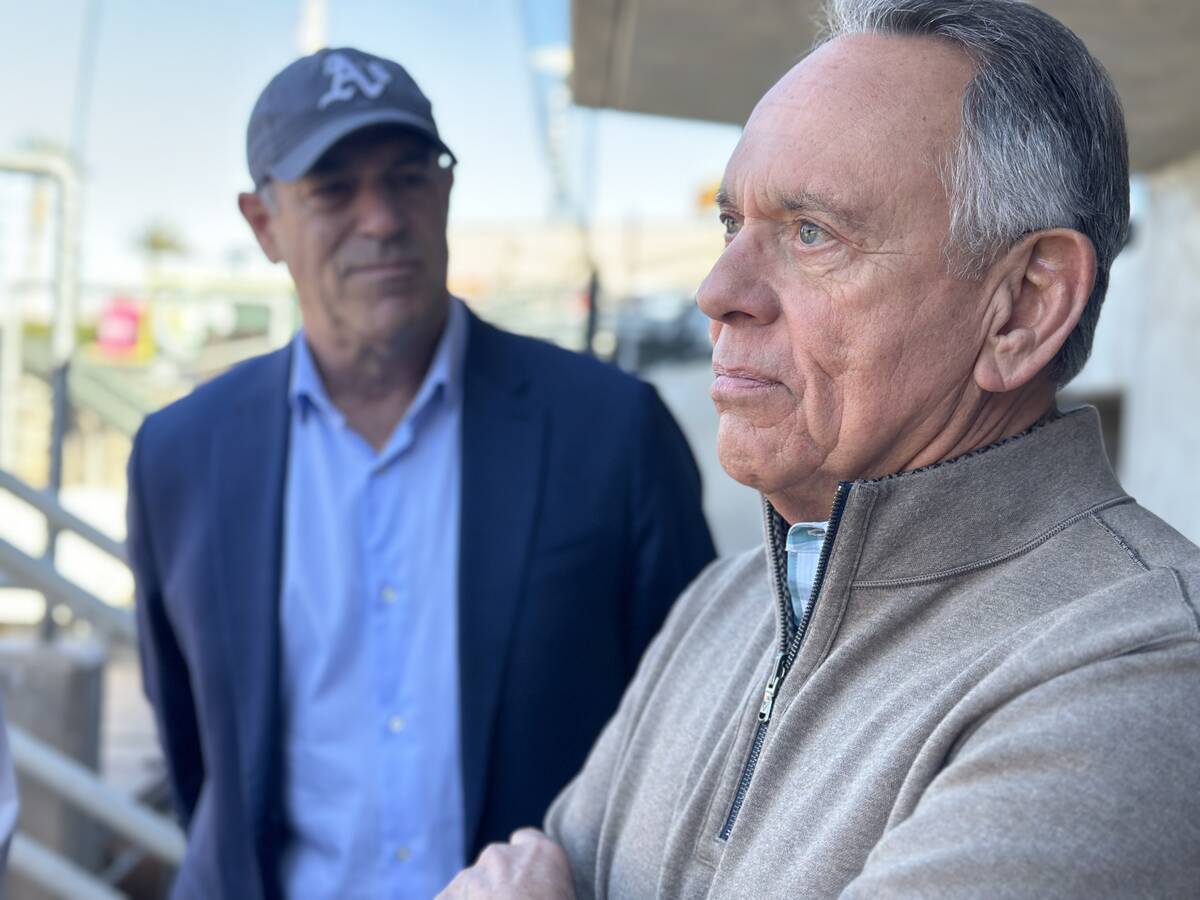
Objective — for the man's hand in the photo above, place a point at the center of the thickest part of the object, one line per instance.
(529, 867)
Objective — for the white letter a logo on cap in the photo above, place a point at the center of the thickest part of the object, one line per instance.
(345, 77)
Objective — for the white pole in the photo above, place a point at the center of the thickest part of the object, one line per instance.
(10, 371)
(312, 32)
(62, 340)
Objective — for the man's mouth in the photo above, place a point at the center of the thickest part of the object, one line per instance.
(395, 267)
(731, 381)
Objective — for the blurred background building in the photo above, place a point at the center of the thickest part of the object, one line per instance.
(591, 136)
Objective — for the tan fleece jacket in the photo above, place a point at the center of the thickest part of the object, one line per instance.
(997, 695)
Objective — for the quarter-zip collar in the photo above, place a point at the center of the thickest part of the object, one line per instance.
(961, 514)
(956, 516)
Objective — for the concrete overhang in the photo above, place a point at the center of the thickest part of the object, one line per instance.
(713, 59)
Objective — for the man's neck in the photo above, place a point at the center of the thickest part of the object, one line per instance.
(993, 418)
(373, 385)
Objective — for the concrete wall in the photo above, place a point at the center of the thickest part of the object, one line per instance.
(1160, 350)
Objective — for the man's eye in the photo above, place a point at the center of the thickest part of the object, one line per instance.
(327, 191)
(812, 235)
(413, 179)
(731, 225)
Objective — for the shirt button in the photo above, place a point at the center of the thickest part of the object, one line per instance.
(401, 854)
(388, 594)
(395, 724)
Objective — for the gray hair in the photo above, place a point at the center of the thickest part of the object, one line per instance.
(266, 192)
(1042, 143)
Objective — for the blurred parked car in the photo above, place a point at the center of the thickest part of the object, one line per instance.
(661, 327)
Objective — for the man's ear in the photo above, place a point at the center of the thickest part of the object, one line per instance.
(254, 210)
(1044, 283)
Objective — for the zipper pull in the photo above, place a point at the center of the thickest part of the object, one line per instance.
(768, 703)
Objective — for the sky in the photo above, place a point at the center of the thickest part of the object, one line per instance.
(174, 81)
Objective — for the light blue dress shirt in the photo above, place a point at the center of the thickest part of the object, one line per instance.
(373, 791)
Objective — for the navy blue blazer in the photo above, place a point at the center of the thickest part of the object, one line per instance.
(581, 523)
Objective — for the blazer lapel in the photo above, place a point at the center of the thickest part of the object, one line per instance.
(250, 460)
(503, 441)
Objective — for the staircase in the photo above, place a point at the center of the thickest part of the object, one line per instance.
(94, 800)
(81, 734)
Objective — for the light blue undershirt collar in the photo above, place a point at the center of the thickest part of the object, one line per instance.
(804, 543)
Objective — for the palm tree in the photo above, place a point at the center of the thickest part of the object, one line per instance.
(158, 240)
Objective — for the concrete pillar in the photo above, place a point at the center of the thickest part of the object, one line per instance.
(54, 692)
(1161, 435)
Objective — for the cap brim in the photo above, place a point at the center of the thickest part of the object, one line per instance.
(295, 164)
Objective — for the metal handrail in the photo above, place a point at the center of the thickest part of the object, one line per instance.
(91, 390)
(60, 518)
(40, 574)
(55, 873)
(94, 388)
(40, 761)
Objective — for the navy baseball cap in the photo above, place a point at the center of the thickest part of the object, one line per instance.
(320, 99)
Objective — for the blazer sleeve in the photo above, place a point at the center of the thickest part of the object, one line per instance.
(164, 669)
(671, 540)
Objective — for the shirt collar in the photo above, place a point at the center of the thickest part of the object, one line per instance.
(987, 504)
(445, 369)
(306, 390)
(443, 378)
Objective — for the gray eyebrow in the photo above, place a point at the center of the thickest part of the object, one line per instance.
(811, 201)
(800, 202)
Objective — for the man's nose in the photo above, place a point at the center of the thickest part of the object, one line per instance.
(737, 291)
(378, 212)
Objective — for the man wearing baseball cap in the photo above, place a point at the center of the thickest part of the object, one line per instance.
(392, 578)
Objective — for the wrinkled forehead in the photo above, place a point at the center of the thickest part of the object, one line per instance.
(861, 116)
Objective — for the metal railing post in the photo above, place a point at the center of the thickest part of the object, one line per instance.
(65, 174)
